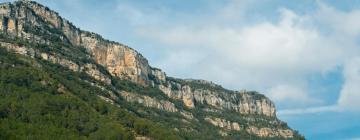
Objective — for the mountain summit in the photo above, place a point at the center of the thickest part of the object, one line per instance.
(46, 57)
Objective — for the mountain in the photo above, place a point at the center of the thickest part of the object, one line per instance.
(60, 82)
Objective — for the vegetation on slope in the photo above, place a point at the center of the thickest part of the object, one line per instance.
(33, 105)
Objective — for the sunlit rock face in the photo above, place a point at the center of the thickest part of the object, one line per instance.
(149, 102)
(242, 102)
(120, 60)
(262, 132)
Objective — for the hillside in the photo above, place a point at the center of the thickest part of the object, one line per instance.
(58, 81)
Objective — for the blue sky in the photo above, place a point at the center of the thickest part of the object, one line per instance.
(304, 55)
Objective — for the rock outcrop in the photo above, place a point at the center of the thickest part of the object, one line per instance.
(269, 132)
(149, 102)
(120, 60)
(222, 123)
(242, 102)
(261, 132)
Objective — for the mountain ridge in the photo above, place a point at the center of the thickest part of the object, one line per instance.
(106, 61)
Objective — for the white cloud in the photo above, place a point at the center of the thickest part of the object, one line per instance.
(333, 108)
(261, 56)
(342, 22)
(137, 17)
(133, 15)
(288, 94)
(350, 94)
(347, 32)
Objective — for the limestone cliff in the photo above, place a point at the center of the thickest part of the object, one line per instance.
(263, 132)
(120, 60)
(200, 99)
(196, 91)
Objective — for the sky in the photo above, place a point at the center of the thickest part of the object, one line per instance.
(303, 55)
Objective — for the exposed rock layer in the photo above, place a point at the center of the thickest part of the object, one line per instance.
(90, 69)
(120, 60)
(149, 102)
(262, 132)
(241, 102)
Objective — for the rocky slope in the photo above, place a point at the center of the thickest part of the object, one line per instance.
(196, 101)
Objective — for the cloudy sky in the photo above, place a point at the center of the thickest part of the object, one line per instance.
(304, 55)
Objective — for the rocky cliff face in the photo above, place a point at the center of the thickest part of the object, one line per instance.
(263, 132)
(217, 97)
(120, 60)
(36, 23)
